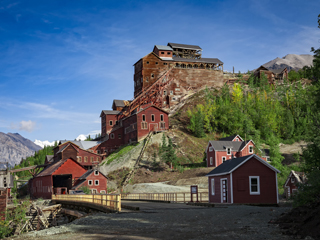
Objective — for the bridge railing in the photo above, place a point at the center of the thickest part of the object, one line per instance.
(182, 197)
(111, 201)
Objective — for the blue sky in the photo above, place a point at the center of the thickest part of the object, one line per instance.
(62, 62)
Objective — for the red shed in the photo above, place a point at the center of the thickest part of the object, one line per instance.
(94, 179)
(61, 174)
(247, 179)
(290, 185)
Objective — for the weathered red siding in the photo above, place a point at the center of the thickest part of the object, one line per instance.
(102, 182)
(268, 185)
(41, 187)
(216, 198)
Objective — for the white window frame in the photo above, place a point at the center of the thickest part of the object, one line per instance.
(292, 179)
(224, 159)
(268, 159)
(228, 151)
(210, 149)
(95, 182)
(153, 117)
(258, 185)
(250, 149)
(96, 172)
(211, 160)
(90, 181)
(212, 187)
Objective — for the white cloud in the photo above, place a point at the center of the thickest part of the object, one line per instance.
(28, 126)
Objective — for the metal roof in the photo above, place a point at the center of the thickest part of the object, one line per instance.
(231, 165)
(109, 112)
(201, 60)
(49, 158)
(222, 145)
(184, 46)
(51, 168)
(119, 103)
(81, 144)
(162, 47)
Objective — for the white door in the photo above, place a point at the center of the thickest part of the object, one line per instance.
(224, 190)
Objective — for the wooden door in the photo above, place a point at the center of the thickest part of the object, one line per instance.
(224, 190)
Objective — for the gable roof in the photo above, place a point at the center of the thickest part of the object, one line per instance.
(230, 165)
(277, 71)
(230, 138)
(65, 146)
(84, 177)
(85, 145)
(162, 47)
(146, 56)
(184, 46)
(119, 103)
(223, 145)
(49, 170)
(110, 112)
(299, 176)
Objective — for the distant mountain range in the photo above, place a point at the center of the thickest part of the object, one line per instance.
(43, 143)
(14, 147)
(291, 61)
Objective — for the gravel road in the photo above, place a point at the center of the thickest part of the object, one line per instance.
(172, 221)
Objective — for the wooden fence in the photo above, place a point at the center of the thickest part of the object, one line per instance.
(172, 197)
(111, 201)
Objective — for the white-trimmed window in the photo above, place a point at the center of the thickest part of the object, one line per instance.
(210, 149)
(96, 172)
(224, 159)
(212, 186)
(90, 182)
(250, 149)
(152, 118)
(268, 159)
(229, 151)
(161, 118)
(96, 182)
(254, 182)
(110, 122)
(211, 160)
(292, 179)
(103, 191)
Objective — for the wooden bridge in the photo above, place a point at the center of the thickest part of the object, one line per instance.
(99, 202)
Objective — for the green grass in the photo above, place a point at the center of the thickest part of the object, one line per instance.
(119, 153)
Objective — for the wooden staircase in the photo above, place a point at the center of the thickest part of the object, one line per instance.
(136, 165)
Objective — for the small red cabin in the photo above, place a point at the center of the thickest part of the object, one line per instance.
(290, 185)
(247, 179)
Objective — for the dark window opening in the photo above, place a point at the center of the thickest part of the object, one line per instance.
(152, 117)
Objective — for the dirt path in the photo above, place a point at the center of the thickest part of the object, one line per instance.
(219, 223)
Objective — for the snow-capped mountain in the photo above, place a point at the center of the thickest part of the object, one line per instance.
(81, 137)
(43, 143)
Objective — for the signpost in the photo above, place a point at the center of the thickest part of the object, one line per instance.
(194, 190)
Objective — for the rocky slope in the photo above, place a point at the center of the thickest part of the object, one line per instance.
(14, 147)
(291, 61)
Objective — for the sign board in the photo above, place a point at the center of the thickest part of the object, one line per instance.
(194, 189)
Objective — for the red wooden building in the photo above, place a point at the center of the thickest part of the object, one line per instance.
(118, 130)
(247, 179)
(290, 185)
(227, 148)
(75, 150)
(61, 174)
(93, 179)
